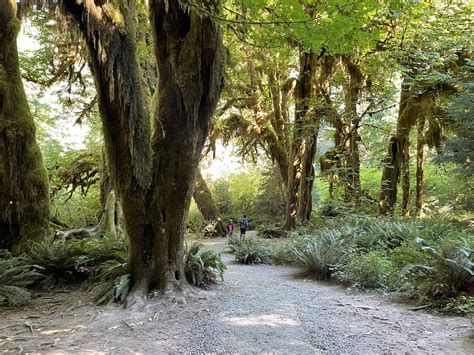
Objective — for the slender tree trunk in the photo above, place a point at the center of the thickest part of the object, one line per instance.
(302, 98)
(405, 168)
(397, 151)
(206, 204)
(305, 201)
(356, 78)
(420, 145)
(24, 193)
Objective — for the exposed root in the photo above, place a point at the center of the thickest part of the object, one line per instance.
(175, 291)
(136, 301)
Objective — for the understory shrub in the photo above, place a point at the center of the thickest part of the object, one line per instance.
(372, 270)
(202, 267)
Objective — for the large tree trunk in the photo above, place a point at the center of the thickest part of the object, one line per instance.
(206, 204)
(154, 178)
(24, 193)
(302, 104)
(190, 57)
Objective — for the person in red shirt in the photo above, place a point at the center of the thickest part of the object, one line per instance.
(230, 228)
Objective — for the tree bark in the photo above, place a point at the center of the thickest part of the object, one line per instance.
(405, 168)
(24, 192)
(206, 204)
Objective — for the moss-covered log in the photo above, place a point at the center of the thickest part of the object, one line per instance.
(24, 195)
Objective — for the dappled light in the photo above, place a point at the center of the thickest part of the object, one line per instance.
(272, 320)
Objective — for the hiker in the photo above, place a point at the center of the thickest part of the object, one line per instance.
(230, 228)
(244, 224)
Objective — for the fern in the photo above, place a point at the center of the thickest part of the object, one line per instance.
(319, 256)
(57, 260)
(202, 267)
(16, 274)
(252, 251)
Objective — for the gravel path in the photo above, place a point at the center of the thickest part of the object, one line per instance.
(266, 309)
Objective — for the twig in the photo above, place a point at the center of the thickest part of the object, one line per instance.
(128, 325)
(421, 307)
(30, 326)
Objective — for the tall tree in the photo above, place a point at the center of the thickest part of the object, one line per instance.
(156, 186)
(24, 196)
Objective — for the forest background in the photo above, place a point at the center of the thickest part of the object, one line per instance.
(345, 128)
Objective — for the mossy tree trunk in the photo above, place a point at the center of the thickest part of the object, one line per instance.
(420, 146)
(24, 193)
(352, 94)
(154, 171)
(206, 204)
(397, 153)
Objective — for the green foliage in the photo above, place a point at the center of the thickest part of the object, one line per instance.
(236, 194)
(196, 221)
(431, 260)
(16, 274)
(202, 267)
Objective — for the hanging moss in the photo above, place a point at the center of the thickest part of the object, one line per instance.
(24, 196)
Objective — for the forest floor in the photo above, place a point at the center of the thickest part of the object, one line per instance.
(257, 308)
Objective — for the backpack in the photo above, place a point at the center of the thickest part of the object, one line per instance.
(243, 223)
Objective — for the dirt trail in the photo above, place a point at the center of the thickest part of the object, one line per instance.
(256, 309)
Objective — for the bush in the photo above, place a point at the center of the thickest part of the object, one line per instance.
(367, 271)
(203, 267)
(320, 255)
(16, 274)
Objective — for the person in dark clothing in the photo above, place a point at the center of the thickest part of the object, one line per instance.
(244, 224)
